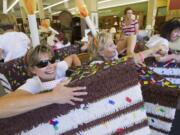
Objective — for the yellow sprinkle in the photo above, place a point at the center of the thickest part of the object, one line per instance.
(166, 83)
(145, 82)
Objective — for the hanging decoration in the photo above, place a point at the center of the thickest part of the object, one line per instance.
(30, 8)
(84, 13)
(46, 25)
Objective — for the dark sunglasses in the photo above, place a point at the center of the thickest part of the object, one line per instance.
(44, 63)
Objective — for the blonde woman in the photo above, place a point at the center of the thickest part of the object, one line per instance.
(105, 49)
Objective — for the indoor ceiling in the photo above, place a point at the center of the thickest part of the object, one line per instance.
(105, 7)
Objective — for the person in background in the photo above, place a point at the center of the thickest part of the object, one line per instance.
(104, 49)
(47, 75)
(12, 44)
(170, 32)
(129, 33)
(86, 42)
(58, 41)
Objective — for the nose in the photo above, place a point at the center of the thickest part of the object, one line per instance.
(49, 63)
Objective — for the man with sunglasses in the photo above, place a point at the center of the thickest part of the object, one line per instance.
(47, 74)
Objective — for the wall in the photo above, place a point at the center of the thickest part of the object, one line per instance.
(173, 9)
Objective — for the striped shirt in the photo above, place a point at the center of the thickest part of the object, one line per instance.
(129, 29)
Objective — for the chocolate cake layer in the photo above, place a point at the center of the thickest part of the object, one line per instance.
(133, 128)
(159, 130)
(105, 119)
(157, 95)
(160, 118)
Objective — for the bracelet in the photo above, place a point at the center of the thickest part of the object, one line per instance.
(141, 57)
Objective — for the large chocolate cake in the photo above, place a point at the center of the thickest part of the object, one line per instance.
(161, 97)
(114, 105)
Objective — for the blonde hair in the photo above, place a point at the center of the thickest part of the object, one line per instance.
(99, 43)
(7, 21)
(33, 54)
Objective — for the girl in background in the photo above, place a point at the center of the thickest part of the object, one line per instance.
(130, 29)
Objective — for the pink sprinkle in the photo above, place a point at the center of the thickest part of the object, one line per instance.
(120, 130)
(128, 99)
(51, 122)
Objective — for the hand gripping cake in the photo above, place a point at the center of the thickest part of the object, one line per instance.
(114, 105)
(161, 97)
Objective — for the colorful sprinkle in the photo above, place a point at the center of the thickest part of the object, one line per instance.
(128, 99)
(84, 106)
(152, 120)
(161, 110)
(150, 72)
(166, 83)
(120, 130)
(54, 123)
(111, 102)
(142, 108)
(159, 83)
(124, 59)
(143, 77)
(56, 127)
(152, 77)
(145, 82)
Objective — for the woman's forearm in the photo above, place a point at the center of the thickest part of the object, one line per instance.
(20, 102)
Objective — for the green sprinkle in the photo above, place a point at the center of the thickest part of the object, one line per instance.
(56, 127)
(161, 110)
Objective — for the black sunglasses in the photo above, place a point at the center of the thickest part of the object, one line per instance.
(44, 63)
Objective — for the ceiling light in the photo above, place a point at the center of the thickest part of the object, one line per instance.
(103, 1)
(12, 5)
(116, 5)
(58, 3)
(73, 12)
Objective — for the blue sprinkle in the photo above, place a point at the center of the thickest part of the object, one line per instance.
(152, 77)
(111, 102)
(152, 120)
(55, 122)
(159, 83)
(85, 107)
(143, 77)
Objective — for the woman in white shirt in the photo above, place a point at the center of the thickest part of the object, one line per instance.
(12, 44)
(47, 74)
